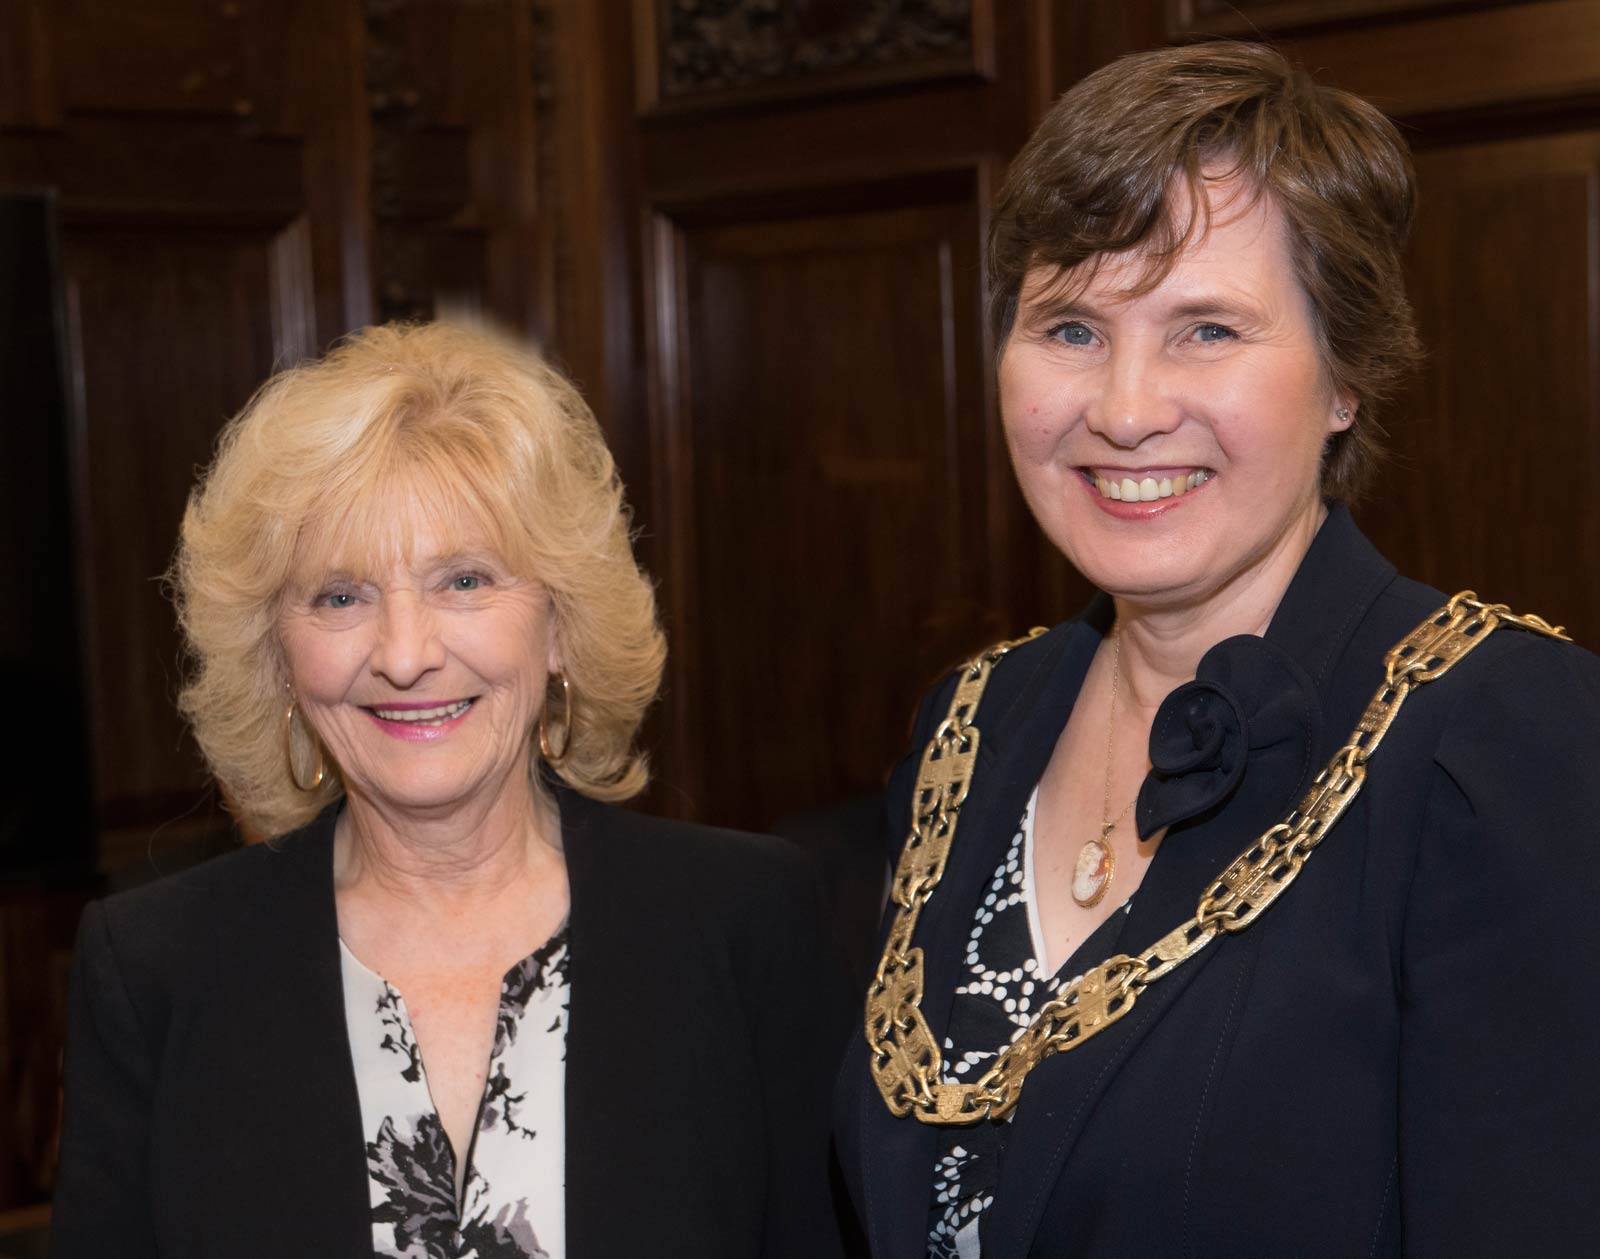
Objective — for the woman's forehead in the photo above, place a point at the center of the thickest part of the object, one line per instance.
(402, 526)
(1233, 220)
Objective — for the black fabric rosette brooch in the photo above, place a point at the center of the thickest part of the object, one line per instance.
(1240, 736)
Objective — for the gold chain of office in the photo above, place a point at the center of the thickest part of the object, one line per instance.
(905, 1059)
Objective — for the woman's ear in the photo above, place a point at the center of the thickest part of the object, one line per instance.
(1344, 414)
(553, 653)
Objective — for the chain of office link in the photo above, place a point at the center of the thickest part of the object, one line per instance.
(906, 1062)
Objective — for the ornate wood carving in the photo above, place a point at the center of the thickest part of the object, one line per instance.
(453, 228)
(725, 51)
(401, 281)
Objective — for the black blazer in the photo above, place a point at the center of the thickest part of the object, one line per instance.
(211, 1107)
(1399, 1057)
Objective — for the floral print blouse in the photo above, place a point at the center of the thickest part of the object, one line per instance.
(512, 1203)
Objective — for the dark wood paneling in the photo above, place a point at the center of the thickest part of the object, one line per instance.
(151, 419)
(1499, 444)
(827, 457)
(137, 168)
(456, 161)
(209, 161)
(162, 56)
(1467, 59)
(37, 925)
(28, 94)
(1266, 17)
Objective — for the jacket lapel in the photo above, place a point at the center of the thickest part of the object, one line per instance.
(598, 1104)
(634, 1073)
(1333, 590)
(1019, 719)
(304, 1165)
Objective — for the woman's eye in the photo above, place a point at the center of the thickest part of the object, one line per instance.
(1212, 332)
(467, 581)
(337, 599)
(1072, 334)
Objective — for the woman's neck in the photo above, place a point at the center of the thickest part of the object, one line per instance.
(448, 860)
(1161, 645)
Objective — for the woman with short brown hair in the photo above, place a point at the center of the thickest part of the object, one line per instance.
(1197, 943)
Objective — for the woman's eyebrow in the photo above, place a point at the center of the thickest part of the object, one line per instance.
(454, 559)
(1213, 307)
(1046, 307)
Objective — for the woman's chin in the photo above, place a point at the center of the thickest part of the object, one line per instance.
(431, 798)
(1151, 573)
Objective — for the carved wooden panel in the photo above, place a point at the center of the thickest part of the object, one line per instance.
(825, 466)
(1499, 445)
(451, 91)
(697, 53)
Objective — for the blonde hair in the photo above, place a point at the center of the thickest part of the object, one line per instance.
(503, 444)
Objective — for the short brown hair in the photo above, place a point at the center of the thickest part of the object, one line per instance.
(1097, 175)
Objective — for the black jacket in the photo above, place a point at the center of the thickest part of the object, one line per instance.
(1399, 1057)
(211, 1107)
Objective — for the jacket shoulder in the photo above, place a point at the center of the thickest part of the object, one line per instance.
(701, 872)
(1011, 676)
(168, 925)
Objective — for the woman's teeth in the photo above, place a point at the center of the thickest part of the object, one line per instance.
(1127, 490)
(425, 716)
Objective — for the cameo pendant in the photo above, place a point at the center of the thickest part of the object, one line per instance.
(1092, 874)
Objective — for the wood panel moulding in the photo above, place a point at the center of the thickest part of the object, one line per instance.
(1245, 18)
(1499, 441)
(822, 442)
(698, 54)
(164, 172)
(28, 90)
(237, 302)
(1544, 53)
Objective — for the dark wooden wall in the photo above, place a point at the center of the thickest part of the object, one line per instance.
(755, 235)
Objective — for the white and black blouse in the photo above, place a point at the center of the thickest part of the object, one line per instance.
(512, 1203)
(1003, 985)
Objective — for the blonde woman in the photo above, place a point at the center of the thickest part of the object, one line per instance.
(460, 1004)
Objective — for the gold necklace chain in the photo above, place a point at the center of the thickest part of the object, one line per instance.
(1095, 867)
(1107, 822)
(906, 1062)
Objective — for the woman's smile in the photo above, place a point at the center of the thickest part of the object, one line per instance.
(1142, 493)
(419, 722)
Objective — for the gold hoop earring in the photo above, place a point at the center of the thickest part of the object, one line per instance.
(288, 749)
(556, 757)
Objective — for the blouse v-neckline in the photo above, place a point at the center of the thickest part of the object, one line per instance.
(512, 1196)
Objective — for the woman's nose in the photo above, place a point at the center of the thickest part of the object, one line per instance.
(1135, 401)
(409, 645)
